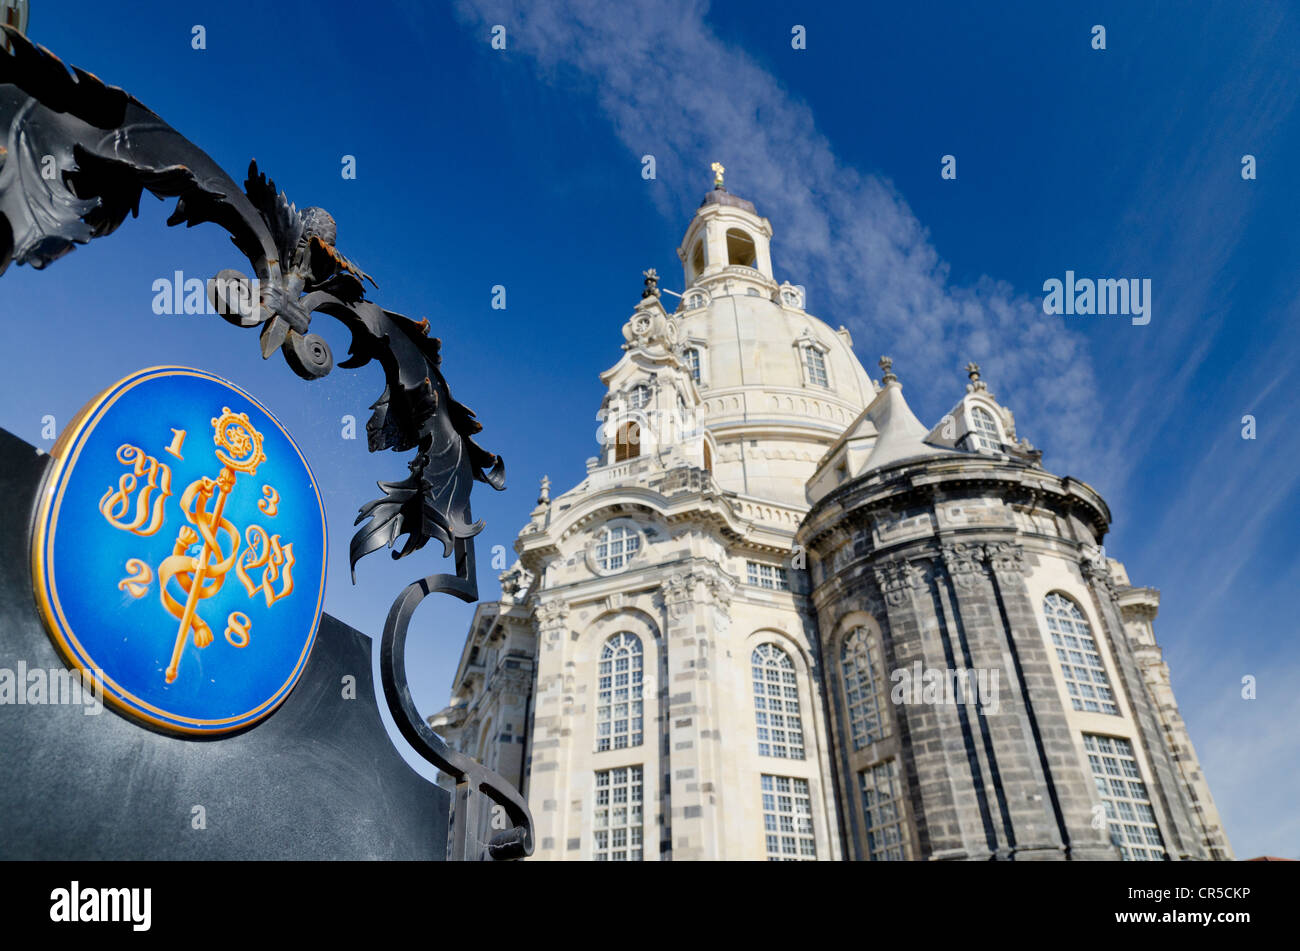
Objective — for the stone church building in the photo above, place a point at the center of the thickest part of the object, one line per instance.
(781, 618)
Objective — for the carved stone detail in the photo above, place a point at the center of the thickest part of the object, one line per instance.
(716, 588)
(1006, 557)
(677, 592)
(1092, 563)
(965, 564)
(898, 579)
(551, 618)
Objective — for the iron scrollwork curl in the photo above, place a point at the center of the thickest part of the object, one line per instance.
(107, 149)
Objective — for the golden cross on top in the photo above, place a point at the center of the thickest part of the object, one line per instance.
(718, 171)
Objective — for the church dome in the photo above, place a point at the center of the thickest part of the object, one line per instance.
(778, 385)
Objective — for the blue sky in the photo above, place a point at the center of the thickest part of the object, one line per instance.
(522, 168)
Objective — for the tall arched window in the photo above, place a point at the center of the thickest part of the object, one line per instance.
(776, 703)
(985, 429)
(627, 445)
(619, 715)
(1085, 674)
(863, 684)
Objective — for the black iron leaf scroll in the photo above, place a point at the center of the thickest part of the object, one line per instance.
(107, 149)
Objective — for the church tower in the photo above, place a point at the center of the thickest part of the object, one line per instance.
(778, 384)
(995, 688)
(676, 710)
(780, 618)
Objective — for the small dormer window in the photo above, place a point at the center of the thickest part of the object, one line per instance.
(694, 300)
(693, 363)
(984, 430)
(639, 398)
(814, 364)
(791, 297)
(615, 547)
(752, 292)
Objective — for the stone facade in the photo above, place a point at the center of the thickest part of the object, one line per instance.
(731, 640)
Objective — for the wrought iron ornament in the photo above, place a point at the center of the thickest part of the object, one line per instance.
(108, 148)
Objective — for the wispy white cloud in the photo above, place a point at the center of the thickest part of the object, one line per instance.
(1227, 502)
(669, 85)
(1185, 214)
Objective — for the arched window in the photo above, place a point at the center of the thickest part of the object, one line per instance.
(697, 260)
(708, 458)
(776, 703)
(1085, 674)
(985, 429)
(863, 683)
(628, 444)
(615, 546)
(618, 708)
(695, 301)
(740, 248)
(693, 363)
(639, 398)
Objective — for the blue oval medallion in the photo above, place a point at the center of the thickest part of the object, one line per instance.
(179, 551)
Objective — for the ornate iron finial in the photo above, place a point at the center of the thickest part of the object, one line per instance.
(718, 172)
(887, 365)
(651, 283)
(117, 148)
(544, 496)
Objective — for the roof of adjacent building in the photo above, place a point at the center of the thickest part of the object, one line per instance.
(900, 435)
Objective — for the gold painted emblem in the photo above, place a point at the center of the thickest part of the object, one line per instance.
(185, 578)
